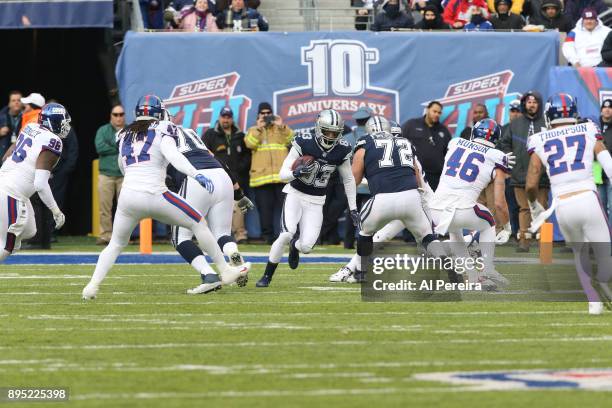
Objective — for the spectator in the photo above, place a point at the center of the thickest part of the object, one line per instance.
(505, 18)
(110, 178)
(152, 14)
(458, 13)
(10, 118)
(268, 140)
(224, 4)
(421, 5)
(432, 20)
(515, 140)
(515, 6)
(513, 209)
(574, 9)
(582, 46)
(238, 17)
(605, 187)
(479, 112)
(32, 104)
(392, 17)
(360, 117)
(198, 18)
(226, 142)
(550, 15)
(606, 52)
(430, 140)
(478, 20)
(363, 13)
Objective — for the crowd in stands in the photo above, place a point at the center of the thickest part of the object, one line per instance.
(203, 15)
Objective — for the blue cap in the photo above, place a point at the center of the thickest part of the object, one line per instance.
(362, 113)
(227, 112)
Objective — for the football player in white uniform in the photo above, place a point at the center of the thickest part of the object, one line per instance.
(307, 186)
(470, 165)
(567, 152)
(26, 170)
(146, 148)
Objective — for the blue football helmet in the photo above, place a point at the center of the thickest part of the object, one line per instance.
(150, 107)
(55, 118)
(395, 128)
(486, 131)
(561, 109)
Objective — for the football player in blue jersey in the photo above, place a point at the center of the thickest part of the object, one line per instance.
(307, 186)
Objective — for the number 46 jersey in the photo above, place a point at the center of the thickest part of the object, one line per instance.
(17, 173)
(469, 167)
(567, 153)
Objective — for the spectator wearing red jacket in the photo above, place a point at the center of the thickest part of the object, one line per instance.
(459, 12)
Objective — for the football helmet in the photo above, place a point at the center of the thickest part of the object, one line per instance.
(54, 117)
(150, 107)
(377, 124)
(561, 109)
(486, 131)
(395, 128)
(328, 128)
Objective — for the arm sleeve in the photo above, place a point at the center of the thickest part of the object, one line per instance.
(286, 174)
(41, 185)
(605, 160)
(349, 184)
(171, 153)
(569, 48)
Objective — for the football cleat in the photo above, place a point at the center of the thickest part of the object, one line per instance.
(210, 283)
(236, 259)
(497, 278)
(487, 284)
(264, 282)
(356, 277)
(90, 291)
(236, 274)
(294, 254)
(342, 275)
(595, 308)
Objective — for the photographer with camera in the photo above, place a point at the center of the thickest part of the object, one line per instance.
(268, 140)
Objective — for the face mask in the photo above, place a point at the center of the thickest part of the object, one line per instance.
(392, 10)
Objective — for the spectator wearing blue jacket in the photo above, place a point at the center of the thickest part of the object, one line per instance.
(238, 17)
(392, 17)
(478, 21)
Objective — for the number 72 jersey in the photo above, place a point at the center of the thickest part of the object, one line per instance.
(567, 153)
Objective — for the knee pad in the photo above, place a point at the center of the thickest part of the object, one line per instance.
(189, 250)
(286, 236)
(305, 249)
(365, 245)
(224, 240)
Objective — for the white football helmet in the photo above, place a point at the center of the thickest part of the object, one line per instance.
(377, 124)
(328, 128)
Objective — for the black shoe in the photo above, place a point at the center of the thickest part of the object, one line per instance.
(264, 282)
(294, 254)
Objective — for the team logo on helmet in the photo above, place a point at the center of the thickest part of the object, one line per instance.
(328, 128)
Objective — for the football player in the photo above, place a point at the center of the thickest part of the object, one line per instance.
(470, 166)
(146, 147)
(26, 170)
(567, 152)
(307, 186)
(216, 207)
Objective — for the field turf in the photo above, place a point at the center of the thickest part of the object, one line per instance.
(302, 342)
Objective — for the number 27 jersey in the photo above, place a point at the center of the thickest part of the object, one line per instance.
(567, 153)
(17, 173)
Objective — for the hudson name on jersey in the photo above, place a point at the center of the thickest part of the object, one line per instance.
(567, 153)
(469, 167)
(388, 162)
(325, 163)
(17, 173)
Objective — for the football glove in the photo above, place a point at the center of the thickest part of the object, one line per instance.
(59, 219)
(303, 170)
(355, 217)
(244, 204)
(509, 160)
(503, 236)
(205, 182)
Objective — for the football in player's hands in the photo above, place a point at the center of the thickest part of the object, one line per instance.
(302, 161)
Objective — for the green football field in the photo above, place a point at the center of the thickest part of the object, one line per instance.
(302, 342)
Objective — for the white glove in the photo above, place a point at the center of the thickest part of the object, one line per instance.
(536, 209)
(509, 160)
(59, 218)
(503, 236)
(244, 204)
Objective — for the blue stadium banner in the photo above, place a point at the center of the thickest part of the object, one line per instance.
(589, 85)
(55, 13)
(396, 74)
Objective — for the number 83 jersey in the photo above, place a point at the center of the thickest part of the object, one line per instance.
(469, 167)
(326, 161)
(567, 153)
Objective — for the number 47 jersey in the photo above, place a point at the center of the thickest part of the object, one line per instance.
(469, 167)
(567, 153)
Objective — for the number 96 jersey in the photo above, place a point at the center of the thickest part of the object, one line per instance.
(567, 153)
(325, 163)
(17, 173)
(469, 167)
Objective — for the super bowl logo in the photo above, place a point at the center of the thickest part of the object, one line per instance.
(338, 78)
(197, 104)
(490, 90)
